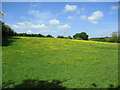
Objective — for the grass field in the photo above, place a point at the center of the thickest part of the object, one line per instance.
(53, 62)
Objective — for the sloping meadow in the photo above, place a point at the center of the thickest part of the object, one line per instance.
(76, 63)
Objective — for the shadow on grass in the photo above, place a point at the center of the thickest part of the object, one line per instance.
(110, 87)
(44, 84)
(34, 84)
(6, 41)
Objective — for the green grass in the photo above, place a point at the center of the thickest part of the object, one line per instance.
(78, 63)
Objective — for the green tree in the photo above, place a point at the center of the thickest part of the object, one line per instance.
(50, 36)
(81, 36)
(60, 36)
(114, 37)
(40, 35)
(6, 30)
(22, 34)
(68, 37)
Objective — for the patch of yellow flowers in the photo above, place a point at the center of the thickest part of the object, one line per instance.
(93, 41)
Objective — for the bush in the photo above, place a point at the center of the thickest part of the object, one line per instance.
(50, 36)
(81, 36)
(60, 36)
(68, 37)
(99, 39)
(114, 37)
(22, 34)
(40, 35)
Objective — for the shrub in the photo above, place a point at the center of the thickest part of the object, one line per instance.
(60, 36)
(50, 36)
(40, 35)
(68, 37)
(81, 36)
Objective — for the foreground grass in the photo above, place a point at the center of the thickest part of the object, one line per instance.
(77, 64)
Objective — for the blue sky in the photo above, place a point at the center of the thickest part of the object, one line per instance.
(62, 18)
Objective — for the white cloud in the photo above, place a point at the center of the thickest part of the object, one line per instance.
(29, 31)
(54, 21)
(95, 17)
(23, 23)
(70, 17)
(38, 14)
(41, 26)
(64, 26)
(17, 27)
(95, 22)
(29, 25)
(114, 7)
(83, 17)
(70, 8)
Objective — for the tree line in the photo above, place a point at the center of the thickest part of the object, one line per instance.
(79, 36)
(115, 37)
(34, 35)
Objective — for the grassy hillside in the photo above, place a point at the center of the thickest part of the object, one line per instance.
(53, 62)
